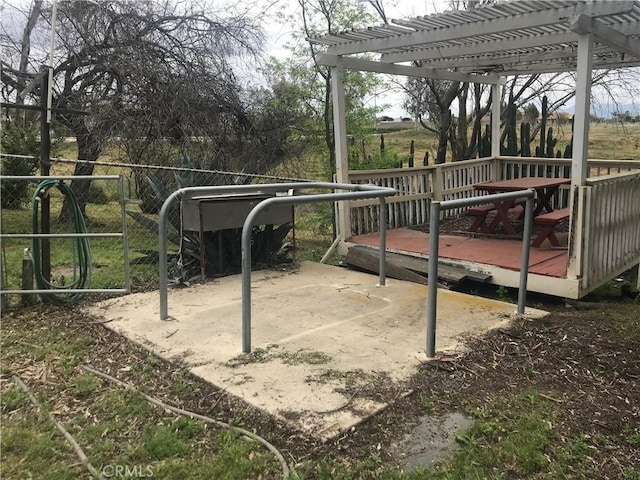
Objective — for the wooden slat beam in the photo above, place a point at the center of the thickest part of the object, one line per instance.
(492, 26)
(391, 69)
(479, 48)
(480, 61)
(567, 66)
(606, 35)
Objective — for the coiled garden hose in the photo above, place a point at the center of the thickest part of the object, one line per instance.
(81, 253)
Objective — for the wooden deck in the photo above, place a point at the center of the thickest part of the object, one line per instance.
(501, 253)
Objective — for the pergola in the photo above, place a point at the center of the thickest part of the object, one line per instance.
(486, 45)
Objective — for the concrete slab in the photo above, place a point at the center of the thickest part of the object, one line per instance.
(329, 346)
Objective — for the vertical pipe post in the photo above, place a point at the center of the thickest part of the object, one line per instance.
(432, 288)
(52, 44)
(526, 247)
(125, 237)
(162, 252)
(246, 279)
(383, 240)
(45, 154)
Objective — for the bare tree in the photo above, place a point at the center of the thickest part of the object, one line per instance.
(160, 68)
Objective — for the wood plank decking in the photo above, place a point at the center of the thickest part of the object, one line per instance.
(489, 251)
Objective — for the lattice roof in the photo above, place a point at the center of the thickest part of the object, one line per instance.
(509, 38)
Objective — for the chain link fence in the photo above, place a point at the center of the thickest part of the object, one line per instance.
(144, 189)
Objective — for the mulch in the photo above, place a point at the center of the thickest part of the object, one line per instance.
(578, 358)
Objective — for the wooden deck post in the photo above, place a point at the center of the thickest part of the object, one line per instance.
(495, 129)
(495, 119)
(579, 170)
(342, 159)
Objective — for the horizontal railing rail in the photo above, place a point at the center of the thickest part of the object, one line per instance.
(30, 235)
(418, 186)
(434, 241)
(352, 192)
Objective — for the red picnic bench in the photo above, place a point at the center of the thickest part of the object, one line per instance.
(480, 213)
(549, 221)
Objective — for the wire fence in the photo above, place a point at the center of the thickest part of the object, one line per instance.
(144, 189)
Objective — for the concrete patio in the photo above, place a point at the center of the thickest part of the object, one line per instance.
(330, 347)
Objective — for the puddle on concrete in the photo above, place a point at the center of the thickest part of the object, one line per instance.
(432, 439)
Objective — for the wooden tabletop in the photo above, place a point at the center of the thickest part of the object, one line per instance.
(521, 184)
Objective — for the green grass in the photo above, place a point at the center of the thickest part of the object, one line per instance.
(516, 436)
(114, 426)
(314, 232)
(107, 253)
(512, 437)
(606, 141)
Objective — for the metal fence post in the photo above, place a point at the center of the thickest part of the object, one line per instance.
(526, 248)
(432, 292)
(383, 240)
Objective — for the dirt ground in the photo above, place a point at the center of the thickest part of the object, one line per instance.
(578, 357)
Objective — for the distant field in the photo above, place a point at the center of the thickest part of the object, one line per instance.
(606, 141)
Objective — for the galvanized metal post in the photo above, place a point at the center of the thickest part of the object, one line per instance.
(125, 237)
(246, 279)
(45, 161)
(162, 252)
(526, 247)
(354, 192)
(432, 289)
(383, 240)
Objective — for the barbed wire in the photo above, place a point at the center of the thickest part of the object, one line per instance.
(160, 167)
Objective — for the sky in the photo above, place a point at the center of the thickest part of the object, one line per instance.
(278, 35)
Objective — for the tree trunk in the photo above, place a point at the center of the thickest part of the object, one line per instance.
(89, 148)
(443, 137)
(462, 149)
(25, 49)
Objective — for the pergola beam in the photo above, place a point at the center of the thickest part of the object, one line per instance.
(487, 47)
(405, 70)
(479, 61)
(606, 35)
(487, 27)
(566, 66)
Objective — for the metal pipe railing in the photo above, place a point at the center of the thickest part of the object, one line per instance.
(434, 233)
(352, 192)
(38, 178)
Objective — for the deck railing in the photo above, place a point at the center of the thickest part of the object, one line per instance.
(449, 181)
(612, 226)
(409, 207)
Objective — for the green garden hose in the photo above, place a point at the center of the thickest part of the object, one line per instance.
(81, 253)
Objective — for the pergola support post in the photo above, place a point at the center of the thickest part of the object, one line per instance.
(495, 129)
(579, 167)
(343, 217)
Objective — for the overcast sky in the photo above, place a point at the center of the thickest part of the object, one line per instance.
(279, 34)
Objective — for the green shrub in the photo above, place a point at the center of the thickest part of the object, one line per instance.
(375, 161)
(18, 141)
(97, 195)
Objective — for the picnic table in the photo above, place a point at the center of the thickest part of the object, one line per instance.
(545, 189)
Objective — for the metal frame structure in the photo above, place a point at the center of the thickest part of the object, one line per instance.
(434, 242)
(122, 235)
(353, 192)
